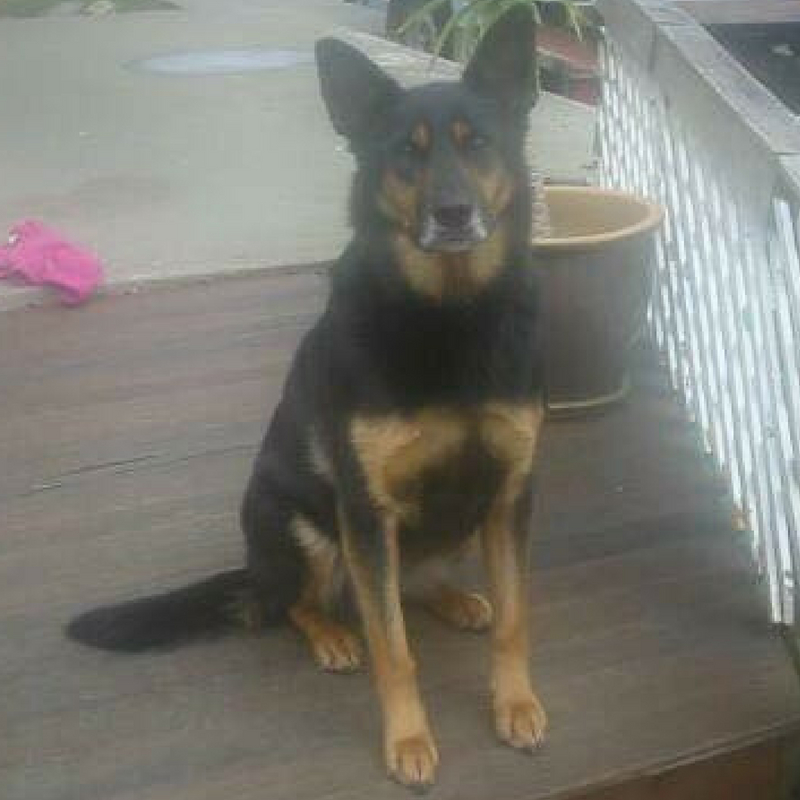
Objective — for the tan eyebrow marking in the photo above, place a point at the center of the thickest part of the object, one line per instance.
(421, 136)
(461, 131)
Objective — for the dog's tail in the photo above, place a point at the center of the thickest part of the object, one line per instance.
(204, 608)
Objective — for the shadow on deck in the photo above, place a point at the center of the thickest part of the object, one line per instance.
(126, 439)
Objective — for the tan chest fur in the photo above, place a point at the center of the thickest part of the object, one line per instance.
(394, 450)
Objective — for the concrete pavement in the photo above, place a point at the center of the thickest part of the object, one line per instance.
(169, 176)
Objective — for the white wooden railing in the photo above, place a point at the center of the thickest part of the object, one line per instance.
(683, 123)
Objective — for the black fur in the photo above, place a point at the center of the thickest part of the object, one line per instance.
(379, 347)
(164, 619)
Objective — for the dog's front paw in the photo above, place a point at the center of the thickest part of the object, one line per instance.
(412, 760)
(521, 721)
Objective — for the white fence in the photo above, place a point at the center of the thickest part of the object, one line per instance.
(686, 125)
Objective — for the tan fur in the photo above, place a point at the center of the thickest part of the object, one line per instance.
(464, 610)
(323, 561)
(461, 131)
(333, 646)
(394, 450)
(424, 271)
(495, 187)
(511, 433)
(421, 136)
(398, 200)
(440, 275)
(519, 717)
(409, 749)
(479, 265)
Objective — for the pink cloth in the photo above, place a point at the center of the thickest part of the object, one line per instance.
(40, 255)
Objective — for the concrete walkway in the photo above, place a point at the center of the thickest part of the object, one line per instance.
(169, 176)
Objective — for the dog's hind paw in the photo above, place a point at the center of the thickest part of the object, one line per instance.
(467, 611)
(336, 649)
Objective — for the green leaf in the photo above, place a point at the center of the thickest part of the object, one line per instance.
(421, 13)
(475, 17)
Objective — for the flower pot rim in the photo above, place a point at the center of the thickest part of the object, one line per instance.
(651, 219)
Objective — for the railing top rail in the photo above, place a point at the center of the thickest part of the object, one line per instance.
(724, 106)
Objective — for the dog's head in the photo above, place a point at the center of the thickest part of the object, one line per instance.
(440, 165)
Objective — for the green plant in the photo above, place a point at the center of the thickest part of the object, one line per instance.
(471, 19)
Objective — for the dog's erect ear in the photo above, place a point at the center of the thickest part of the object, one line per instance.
(357, 92)
(503, 67)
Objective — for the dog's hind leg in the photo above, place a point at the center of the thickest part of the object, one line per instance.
(334, 647)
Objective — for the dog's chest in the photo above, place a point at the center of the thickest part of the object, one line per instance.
(446, 463)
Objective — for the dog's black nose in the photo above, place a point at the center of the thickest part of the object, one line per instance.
(454, 217)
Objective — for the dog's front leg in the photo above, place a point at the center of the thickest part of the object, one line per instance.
(519, 717)
(370, 546)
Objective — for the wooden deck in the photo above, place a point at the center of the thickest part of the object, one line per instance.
(126, 437)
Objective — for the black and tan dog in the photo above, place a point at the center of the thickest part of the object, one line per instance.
(409, 419)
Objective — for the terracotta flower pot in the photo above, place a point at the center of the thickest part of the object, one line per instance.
(596, 273)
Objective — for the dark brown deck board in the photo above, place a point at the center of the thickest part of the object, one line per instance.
(126, 437)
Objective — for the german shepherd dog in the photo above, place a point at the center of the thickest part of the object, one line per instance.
(409, 418)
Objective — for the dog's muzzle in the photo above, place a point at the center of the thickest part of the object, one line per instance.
(453, 229)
